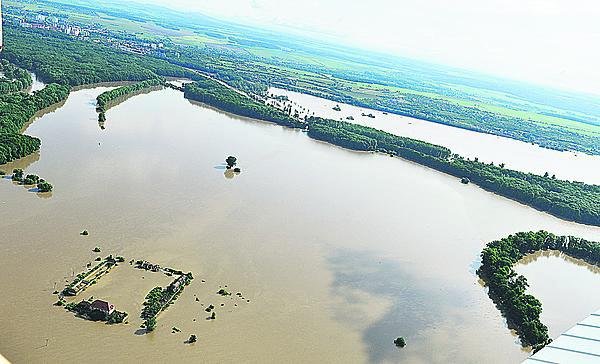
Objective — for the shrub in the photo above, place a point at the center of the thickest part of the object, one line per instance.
(400, 342)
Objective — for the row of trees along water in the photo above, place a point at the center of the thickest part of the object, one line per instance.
(106, 98)
(61, 61)
(15, 79)
(508, 289)
(569, 200)
(215, 94)
(575, 201)
(16, 109)
(432, 101)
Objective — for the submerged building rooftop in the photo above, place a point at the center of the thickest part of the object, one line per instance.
(580, 344)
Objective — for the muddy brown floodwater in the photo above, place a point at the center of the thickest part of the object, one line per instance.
(338, 252)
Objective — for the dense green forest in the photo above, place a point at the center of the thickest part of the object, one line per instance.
(15, 79)
(213, 93)
(63, 62)
(104, 99)
(252, 60)
(507, 288)
(16, 109)
(58, 58)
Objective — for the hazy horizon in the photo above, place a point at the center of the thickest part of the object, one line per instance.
(548, 43)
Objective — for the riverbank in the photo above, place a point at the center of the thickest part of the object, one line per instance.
(574, 201)
(111, 98)
(508, 290)
(18, 109)
(349, 292)
(488, 148)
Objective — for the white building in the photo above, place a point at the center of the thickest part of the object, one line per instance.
(1, 39)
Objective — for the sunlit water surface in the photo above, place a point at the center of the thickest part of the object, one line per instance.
(338, 252)
(488, 148)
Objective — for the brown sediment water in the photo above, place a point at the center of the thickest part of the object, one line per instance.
(564, 285)
(338, 252)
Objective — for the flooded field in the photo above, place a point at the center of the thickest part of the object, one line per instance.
(338, 252)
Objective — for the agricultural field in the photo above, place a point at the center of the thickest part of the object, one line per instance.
(253, 59)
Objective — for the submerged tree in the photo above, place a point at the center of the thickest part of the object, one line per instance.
(231, 161)
(400, 342)
(17, 174)
(150, 324)
(44, 187)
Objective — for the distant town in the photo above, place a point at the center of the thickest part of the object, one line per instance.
(95, 32)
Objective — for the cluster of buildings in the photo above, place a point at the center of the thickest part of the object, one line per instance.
(32, 20)
(94, 32)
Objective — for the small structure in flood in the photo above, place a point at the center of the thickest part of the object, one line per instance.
(103, 310)
(103, 306)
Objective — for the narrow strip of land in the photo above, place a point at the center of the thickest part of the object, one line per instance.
(508, 289)
(574, 201)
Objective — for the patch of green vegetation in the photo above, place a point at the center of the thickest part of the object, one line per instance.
(569, 200)
(508, 289)
(106, 98)
(56, 57)
(196, 40)
(16, 109)
(400, 342)
(213, 93)
(159, 298)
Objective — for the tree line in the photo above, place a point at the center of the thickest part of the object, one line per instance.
(214, 94)
(15, 79)
(16, 109)
(574, 201)
(104, 99)
(371, 139)
(57, 58)
(508, 289)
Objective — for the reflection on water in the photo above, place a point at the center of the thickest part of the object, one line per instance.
(122, 99)
(413, 307)
(22, 163)
(544, 255)
(41, 113)
(42, 195)
(229, 174)
(557, 280)
(339, 251)
(488, 148)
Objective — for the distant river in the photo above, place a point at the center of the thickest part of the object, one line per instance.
(338, 252)
(514, 154)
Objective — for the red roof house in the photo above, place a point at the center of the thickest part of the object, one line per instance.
(103, 306)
